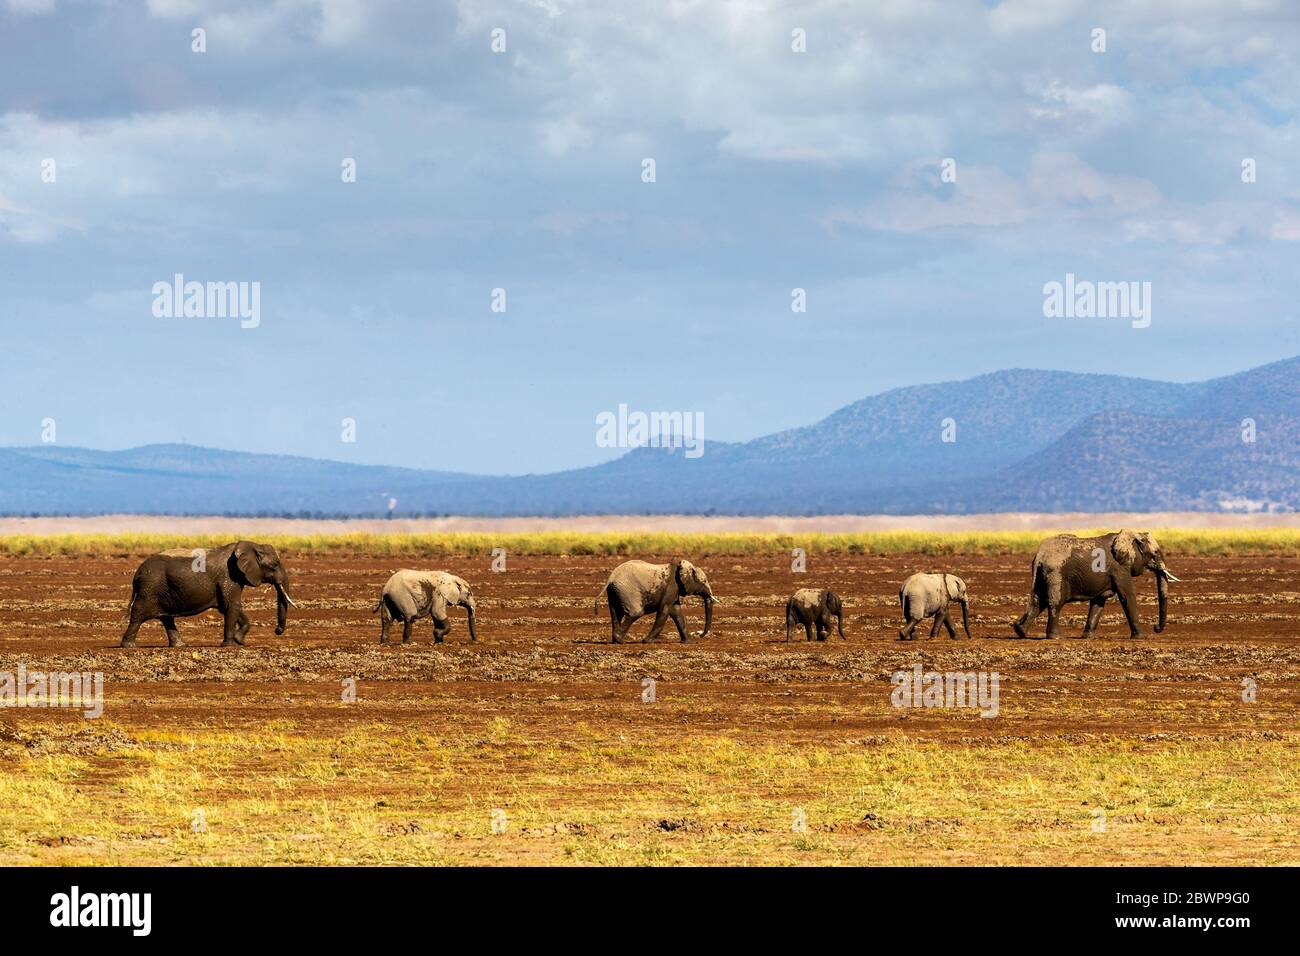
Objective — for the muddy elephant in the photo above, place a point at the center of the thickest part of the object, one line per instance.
(636, 588)
(1067, 569)
(812, 606)
(929, 595)
(182, 583)
(409, 595)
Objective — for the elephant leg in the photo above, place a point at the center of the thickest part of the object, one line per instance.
(1053, 629)
(1031, 614)
(625, 623)
(1094, 615)
(947, 622)
(173, 635)
(133, 628)
(230, 627)
(385, 621)
(244, 626)
(938, 619)
(1128, 601)
(614, 621)
(441, 628)
(907, 630)
(680, 620)
(807, 631)
(406, 630)
(661, 619)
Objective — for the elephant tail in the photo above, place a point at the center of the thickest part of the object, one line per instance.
(379, 605)
(604, 592)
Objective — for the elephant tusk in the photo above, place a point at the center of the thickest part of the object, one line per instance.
(290, 601)
(1170, 577)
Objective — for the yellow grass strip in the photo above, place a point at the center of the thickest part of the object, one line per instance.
(1206, 541)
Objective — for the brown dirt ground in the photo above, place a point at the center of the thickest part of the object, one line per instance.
(543, 664)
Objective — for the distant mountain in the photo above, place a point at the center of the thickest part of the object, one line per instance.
(1025, 441)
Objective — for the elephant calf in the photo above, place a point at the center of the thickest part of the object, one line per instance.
(183, 583)
(926, 595)
(410, 595)
(810, 606)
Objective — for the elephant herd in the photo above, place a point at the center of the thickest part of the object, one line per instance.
(1065, 569)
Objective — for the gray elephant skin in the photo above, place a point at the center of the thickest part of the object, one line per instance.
(813, 606)
(929, 595)
(1069, 569)
(637, 588)
(182, 583)
(410, 595)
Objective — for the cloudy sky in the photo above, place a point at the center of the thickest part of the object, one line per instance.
(522, 170)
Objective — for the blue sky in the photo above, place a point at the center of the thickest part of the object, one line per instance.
(522, 170)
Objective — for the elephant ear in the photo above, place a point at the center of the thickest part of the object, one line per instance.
(676, 586)
(831, 602)
(1126, 549)
(954, 586)
(250, 568)
(435, 600)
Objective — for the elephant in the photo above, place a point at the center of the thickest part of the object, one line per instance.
(409, 595)
(182, 583)
(635, 588)
(924, 595)
(809, 606)
(1067, 568)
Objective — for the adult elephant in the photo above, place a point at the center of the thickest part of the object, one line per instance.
(182, 583)
(410, 595)
(923, 595)
(1068, 568)
(814, 606)
(636, 588)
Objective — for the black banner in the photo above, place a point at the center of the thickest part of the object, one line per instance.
(229, 905)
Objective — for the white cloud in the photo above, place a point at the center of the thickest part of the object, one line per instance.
(1062, 199)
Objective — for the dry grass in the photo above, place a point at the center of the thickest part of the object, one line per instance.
(381, 794)
(1210, 542)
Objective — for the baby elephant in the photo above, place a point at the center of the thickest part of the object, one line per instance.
(410, 595)
(809, 606)
(923, 595)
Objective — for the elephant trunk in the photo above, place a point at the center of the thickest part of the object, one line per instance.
(282, 602)
(1162, 594)
(839, 623)
(965, 621)
(469, 610)
(708, 614)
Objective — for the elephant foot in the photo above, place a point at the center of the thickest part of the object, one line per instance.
(230, 642)
(178, 643)
(1020, 631)
(1136, 636)
(126, 643)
